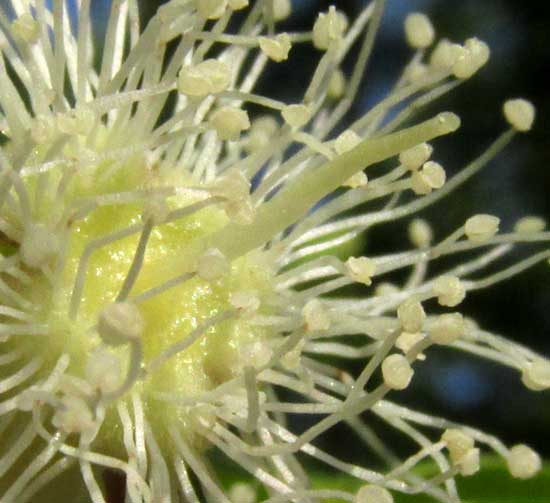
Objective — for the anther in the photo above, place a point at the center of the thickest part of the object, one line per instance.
(73, 416)
(315, 316)
(536, 375)
(397, 372)
(281, 9)
(520, 114)
(407, 340)
(247, 303)
(361, 269)
(296, 115)
(447, 328)
(120, 323)
(373, 494)
(474, 54)
(480, 228)
(261, 133)
(329, 28)
(419, 30)
(276, 48)
(420, 233)
(530, 225)
(211, 76)
(242, 492)
(39, 246)
(213, 265)
(450, 291)
(411, 315)
(462, 451)
(229, 122)
(431, 176)
(523, 462)
(413, 158)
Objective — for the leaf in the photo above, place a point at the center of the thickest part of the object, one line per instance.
(493, 484)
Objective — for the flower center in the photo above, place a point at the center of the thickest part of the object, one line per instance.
(170, 314)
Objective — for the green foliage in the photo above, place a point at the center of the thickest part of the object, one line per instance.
(493, 484)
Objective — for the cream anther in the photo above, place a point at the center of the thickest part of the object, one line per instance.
(246, 302)
(208, 77)
(241, 212)
(520, 114)
(530, 225)
(536, 375)
(229, 122)
(329, 28)
(416, 71)
(523, 462)
(73, 416)
(411, 315)
(450, 291)
(281, 9)
(276, 48)
(361, 269)
(120, 323)
(407, 340)
(213, 265)
(293, 358)
(232, 185)
(241, 492)
(373, 494)
(481, 227)
(296, 115)
(355, 181)
(211, 9)
(315, 316)
(39, 246)
(470, 463)
(103, 371)
(26, 28)
(471, 58)
(419, 30)
(431, 176)
(396, 372)
(420, 233)
(447, 328)
(415, 157)
(261, 133)
(458, 442)
(346, 141)
(445, 54)
(256, 354)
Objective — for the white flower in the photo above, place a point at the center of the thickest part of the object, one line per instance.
(163, 276)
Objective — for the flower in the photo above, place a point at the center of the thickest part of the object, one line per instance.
(167, 271)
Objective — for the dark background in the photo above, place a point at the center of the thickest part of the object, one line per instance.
(516, 183)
